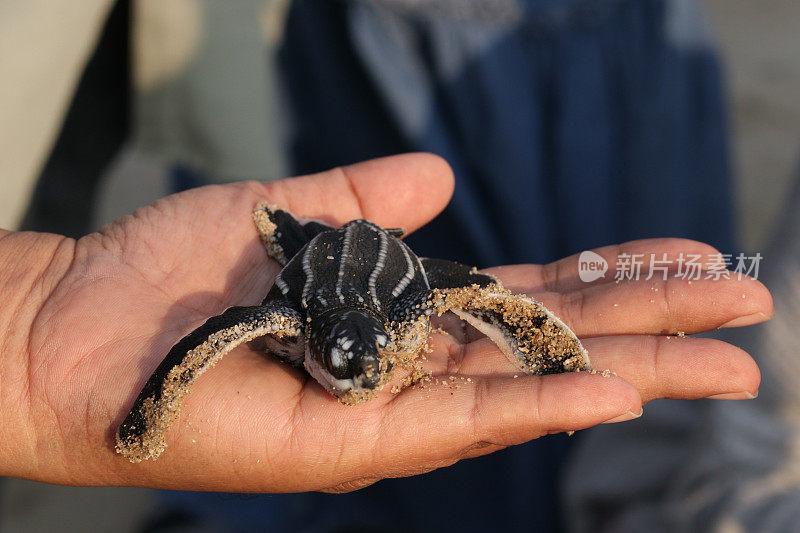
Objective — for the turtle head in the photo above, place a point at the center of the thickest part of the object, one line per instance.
(344, 350)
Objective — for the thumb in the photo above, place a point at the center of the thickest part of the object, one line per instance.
(398, 191)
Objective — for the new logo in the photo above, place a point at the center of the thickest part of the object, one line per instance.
(591, 266)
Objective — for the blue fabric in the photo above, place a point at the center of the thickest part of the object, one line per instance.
(577, 125)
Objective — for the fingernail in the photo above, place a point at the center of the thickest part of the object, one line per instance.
(630, 415)
(744, 395)
(747, 320)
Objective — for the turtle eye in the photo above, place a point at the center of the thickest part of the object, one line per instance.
(339, 356)
(338, 360)
(381, 340)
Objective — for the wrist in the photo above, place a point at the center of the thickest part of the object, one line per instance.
(31, 266)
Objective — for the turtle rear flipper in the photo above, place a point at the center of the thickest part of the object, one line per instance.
(530, 336)
(141, 434)
(282, 234)
(444, 274)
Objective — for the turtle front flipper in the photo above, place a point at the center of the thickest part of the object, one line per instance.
(141, 434)
(282, 234)
(531, 337)
(443, 274)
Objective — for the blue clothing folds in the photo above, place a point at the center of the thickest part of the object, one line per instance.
(569, 125)
(580, 124)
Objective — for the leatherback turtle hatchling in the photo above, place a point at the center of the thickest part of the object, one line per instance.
(349, 303)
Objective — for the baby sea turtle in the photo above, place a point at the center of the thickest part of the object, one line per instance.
(349, 303)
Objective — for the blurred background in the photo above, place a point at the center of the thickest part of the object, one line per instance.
(97, 95)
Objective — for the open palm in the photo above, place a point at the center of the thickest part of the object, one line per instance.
(255, 424)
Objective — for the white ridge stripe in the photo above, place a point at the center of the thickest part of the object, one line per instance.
(379, 264)
(409, 275)
(422, 269)
(348, 234)
(307, 269)
(279, 281)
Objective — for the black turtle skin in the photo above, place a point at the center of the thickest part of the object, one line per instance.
(349, 283)
(352, 284)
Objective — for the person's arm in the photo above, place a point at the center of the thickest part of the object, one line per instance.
(31, 266)
(84, 324)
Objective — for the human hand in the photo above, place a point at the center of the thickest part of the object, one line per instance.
(97, 315)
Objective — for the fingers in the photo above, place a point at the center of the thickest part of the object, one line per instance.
(399, 191)
(658, 366)
(642, 306)
(674, 367)
(657, 305)
(562, 275)
(421, 429)
(447, 422)
(661, 306)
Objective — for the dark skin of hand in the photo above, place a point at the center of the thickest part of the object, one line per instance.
(84, 323)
